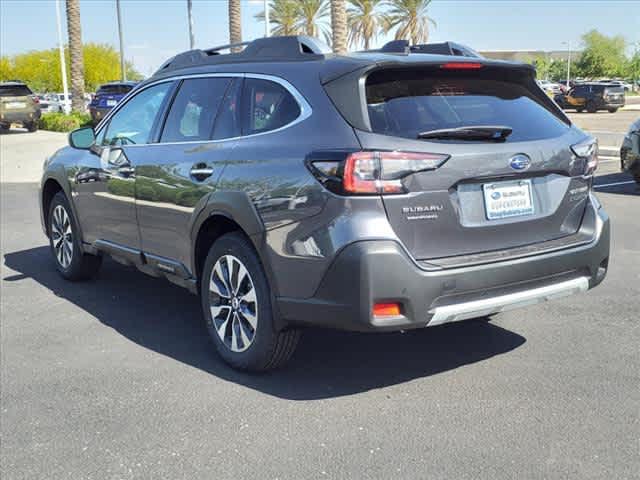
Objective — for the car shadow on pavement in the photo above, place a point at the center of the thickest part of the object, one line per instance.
(14, 131)
(167, 319)
(620, 183)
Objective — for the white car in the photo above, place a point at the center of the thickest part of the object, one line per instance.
(551, 88)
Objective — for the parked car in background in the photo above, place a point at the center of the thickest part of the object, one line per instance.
(367, 192)
(107, 97)
(630, 151)
(46, 105)
(19, 105)
(593, 96)
(551, 88)
(60, 102)
(626, 85)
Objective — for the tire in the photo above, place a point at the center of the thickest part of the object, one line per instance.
(242, 325)
(591, 107)
(636, 177)
(579, 110)
(32, 126)
(613, 110)
(72, 263)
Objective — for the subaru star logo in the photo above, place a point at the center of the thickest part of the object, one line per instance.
(520, 162)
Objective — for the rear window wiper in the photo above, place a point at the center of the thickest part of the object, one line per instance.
(497, 133)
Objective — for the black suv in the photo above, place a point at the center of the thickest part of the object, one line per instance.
(289, 187)
(593, 97)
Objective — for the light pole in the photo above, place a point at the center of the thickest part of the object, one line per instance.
(190, 14)
(568, 61)
(266, 18)
(123, 72)
(66, 105)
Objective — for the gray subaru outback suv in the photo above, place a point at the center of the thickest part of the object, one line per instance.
(376, 191)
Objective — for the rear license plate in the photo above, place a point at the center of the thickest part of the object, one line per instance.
(111, 103)
(15, 105)
(508, 199)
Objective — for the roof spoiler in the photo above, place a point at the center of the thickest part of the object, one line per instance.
(443, 48)
(291, 48)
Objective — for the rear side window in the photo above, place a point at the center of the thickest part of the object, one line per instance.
(267, 106)
(409, 102)
(114, 90)
(194, 110)
(14, 91)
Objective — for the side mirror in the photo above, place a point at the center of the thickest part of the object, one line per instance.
(82, 138)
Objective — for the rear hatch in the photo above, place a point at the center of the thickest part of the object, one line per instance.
(507, 177)
(614, 94)
(108, 96)
(16, 99)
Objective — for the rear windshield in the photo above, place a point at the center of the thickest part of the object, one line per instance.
(114, 90)
(614, 89)
(407, 103)
(14, 91)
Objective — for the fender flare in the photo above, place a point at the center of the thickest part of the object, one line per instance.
(59, 175)
(237, 207)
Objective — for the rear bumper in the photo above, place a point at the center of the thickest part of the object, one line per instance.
(380, 271)
(19, 117)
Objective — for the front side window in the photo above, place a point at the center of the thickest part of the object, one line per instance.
(194, 110)
(132, 124)
(267, 106)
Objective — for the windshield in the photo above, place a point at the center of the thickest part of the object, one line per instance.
(410, 102)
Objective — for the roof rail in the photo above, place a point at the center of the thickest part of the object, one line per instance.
(291, 48)
(443, 48)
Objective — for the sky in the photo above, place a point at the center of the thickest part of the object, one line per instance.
(154, 30)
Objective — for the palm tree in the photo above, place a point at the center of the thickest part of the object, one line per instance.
(339, 26)
(284, 14)
(311, 17)
(75, 54)
(410, 18)
(235, 25)
(365, 21)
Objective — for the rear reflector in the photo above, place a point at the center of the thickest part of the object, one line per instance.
(386, 310)
(461, 66)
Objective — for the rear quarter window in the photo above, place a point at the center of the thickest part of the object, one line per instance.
(266, 106)
(410, 102)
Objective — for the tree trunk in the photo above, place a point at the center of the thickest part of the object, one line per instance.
(75, 54)
(339, 26)
(235, 23)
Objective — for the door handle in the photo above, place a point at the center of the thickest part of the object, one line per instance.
(200, 172)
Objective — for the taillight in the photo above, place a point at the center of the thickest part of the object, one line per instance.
(382, 172)
(587, 151)
(35, 99)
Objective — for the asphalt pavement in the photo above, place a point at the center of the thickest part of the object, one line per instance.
(116, 379)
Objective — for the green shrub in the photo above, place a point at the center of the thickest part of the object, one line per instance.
(60, 122)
